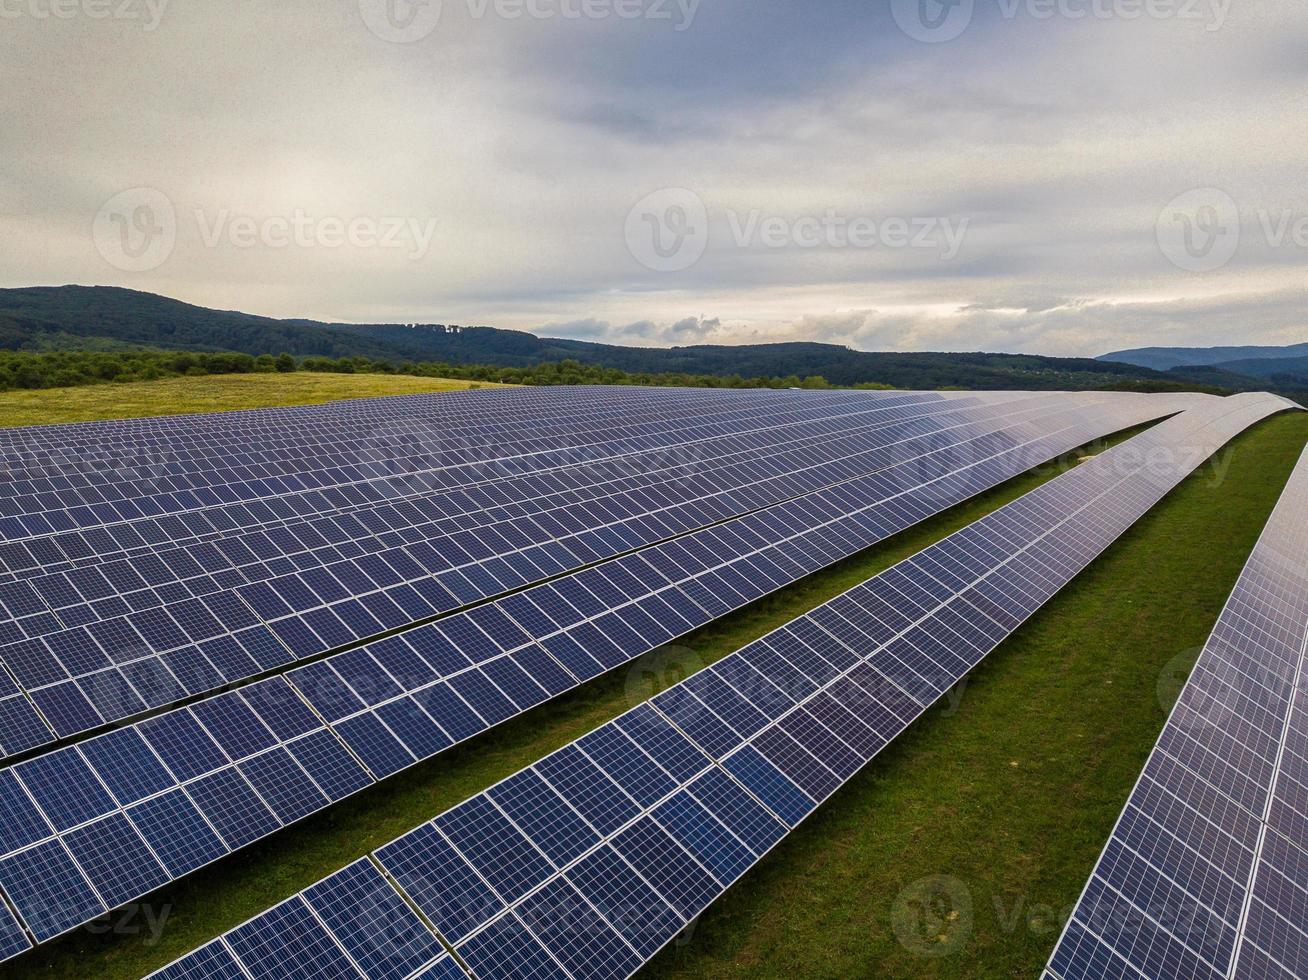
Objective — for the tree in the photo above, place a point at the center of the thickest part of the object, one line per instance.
(285, 363)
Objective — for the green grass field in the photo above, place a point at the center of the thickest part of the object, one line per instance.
(953, 854)
(211, 393)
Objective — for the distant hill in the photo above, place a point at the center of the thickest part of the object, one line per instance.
(103, 317)
(1280, 371)
(1167, 358)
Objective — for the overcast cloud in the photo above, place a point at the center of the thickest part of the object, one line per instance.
(1061, 177)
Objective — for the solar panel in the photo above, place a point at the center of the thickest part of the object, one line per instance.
(1206, 872)
(249, 762)
(209, 632)
(198, 664)
(665, 832)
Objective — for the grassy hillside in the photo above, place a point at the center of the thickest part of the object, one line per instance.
(1010, 796)
(183, 396)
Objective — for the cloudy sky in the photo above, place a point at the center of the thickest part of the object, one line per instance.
(1047, 176)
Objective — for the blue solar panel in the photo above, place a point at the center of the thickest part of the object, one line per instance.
(737, 810)
(506, 948)
(663, 743)
(212, 962)
(185, 748)
(180, 837)
(12, 938)
(283, 785)
(375, 744)
(21, 822)
(644, 919)
(328, 763)
(485, 698)
(372, 923)
(643, 780)
(666, 865)
(48, 890)
(233, 807)
(715, 847)
(544, 817)
(580, 939)
(289, 943)
(116, 859)
(440, 882)
(627, 765)
(500, 852)
(770, 785)
(127, 765)
(65, 788)
(450, 711)
(590, 792)
(414, 728)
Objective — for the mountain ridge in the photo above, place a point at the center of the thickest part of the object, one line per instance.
(109, 317)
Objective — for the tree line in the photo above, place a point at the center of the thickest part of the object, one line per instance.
(66, 369)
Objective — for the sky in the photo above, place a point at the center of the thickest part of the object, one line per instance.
(1063, 177)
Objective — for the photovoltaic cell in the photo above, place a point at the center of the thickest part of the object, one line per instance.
(684, 844)
(240, 811)
(1206, 872)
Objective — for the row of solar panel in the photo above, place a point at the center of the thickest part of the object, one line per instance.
(82, 677)
(91, 595)
(587, 863)
(501, 419)
(477, 414)
(738, 539)
(83, 594)
(388, 447)
(489, 502)
(202, 754)
(445, 468)
(467, 496)
(44, 506)
(598, 619)
(1206, 872)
